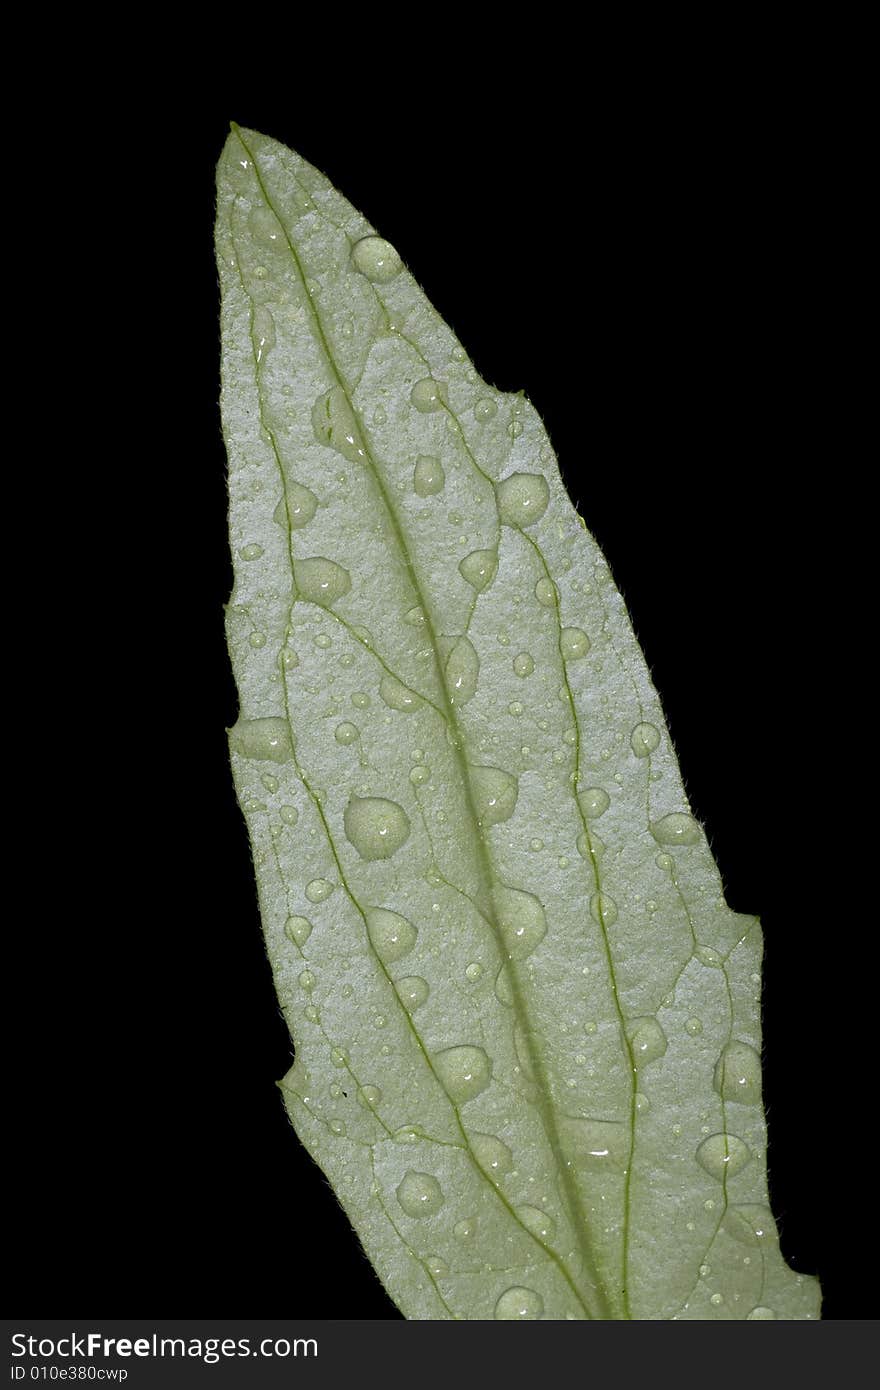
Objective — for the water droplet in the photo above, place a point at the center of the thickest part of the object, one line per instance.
(296, 508)
(494, 793)
(312, 1014)
(573, 644)
(318, 890)
(307, 981)
(428, 476)
(377, 259)
(420, 1194)
(678, 828)
(466, 1229)
(420, 775)
(538, 1222)
(462, 672)
(464, 1071)
(339, 1057)
(536, 845)
(298, 930)
(516, 708)
(479, 569)
(485, 409)
(647, 1040)
(408, 1134)
(591, 1028)
(546, 592)
(749, 1222)
(761, 1314)
(369, 1096)
(522, 499)
(323, 641)
(694, 1026)
(473, 971)
(257, 640)
(413, 990)
(707, 955)
(503, 990)
(414, 617)
(436, 1266)
(376, 827)
(392, 936)
(334, 425)
(251, 552)
(603, 909)
(519, 1303)
(594, 802)
(321, 581)
(336, 1127)
(269, 782)
(521, 921)
(716, 1299)
(398, 696)
(492, 1154)
(289, 659)
(644, 739)
(665, 862)
(523, 664)
(263, 332)
(428, 395)
(266, 740)
(722, 1154)
(738, 1074)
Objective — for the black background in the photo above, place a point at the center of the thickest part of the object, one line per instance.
(663, 338)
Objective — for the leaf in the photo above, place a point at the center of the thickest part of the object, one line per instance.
(526, 1024)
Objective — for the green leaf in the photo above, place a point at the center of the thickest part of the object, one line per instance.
(526, 1024)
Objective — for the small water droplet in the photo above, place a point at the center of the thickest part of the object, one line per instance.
(369, 1096)
(665, 862)
(503, 989)
(694, 1026)
(266, 740)
(257, 640)
(420, 1194)
(479, 569)
(398, 696)
(722, 1154)
(494, 793)
(519, 1303)
(298, 930)
(414, 617)
(603, 909)
(408, 1134)
(296, 508)
(644, 739)
(761, 1313)
(360, 699)
(523, 664)
(251, 552)
(515, 429)
(473, 971)
(307, 981)
(647, 1040)
(591, 1028)
(420, 775)
(428, 395)
(429, 477)
(573, 644)
(594, 802)
(318, 890)
(321, 581)
(738, 1074)
(485, 409)
(522, 499)
(323, 641)
(346, 734)
(707, 955)
(749, 1222)
(521, 921)
(678, 828)
(339, 1057)
(464, 1071)
(334, 424)
(466, 1229)
(269, 782)
(492, 1154)
(413, 991)
(462, 672)
(546, 592)
(377, 259)
(375, 826)
(516, 708)
(391, 935)
(289, 659)
(538, 1222)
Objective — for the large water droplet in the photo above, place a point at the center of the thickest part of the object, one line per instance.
(738, 1074)
(334, 424)
(377, 259)
(398, 696)
(594, 802)
(546, 592)
(428, 395)
(266, 740)
(573, 644)
(485, 409)
(722, 1154)
(492, 1154)
(647, 1040)
(298, 930)
(523, 664)
(749, 1222)
(369, 1096)
(521, 921)
(519, 1303)
(522, 499)
(479, 569)
(761, 1314)
(376, 827)
(318, 890)
(321, 581)
(392, 936)
(413, 991)
(420, 1194)
(462, 672)
(644, 739)
(464, 1071)
(495, 793)
(678, 828)
(428, 476)
(538, 1222)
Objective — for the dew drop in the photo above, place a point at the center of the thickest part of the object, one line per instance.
(519, 1303)
(761, 1314)
(462, 672)
(375, 826)
(722, 1154)
(251, 552)
(573, 644)
(334, 424)
(428, 395)
(377, 259)
(594, 802)
(464, 1071)
(522, 499)
(289, 659)
(603, 909)
(644, 739)
(473, 971)
(266, 740)
(494, 793)
(479, 569)
(257, 640)
(492, 1154)
(420, 1194)
(318, 890)
(428, 476)
(546, 592)
(391, 935)
(738, 1074)
(307, 981)
(485, 409)
(523, 664)
(521, 921)
(369, 1096)
(346, 734)
(298, 930)
(678, 828)
(647, 1040)
(420, 775)
(665, 862)
(538, 1222)
(413, 991)
(694, 1026)
(321, 581)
